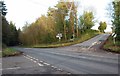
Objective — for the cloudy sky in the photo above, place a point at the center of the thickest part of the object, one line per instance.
(21, 11)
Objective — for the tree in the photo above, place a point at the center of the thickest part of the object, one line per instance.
(9, 33)
(40, 31)
(65, 16)
(62, 9)
(3, 9)
(116, 18)
(45, 28)
(13, 34)
(86, 20)
(5, 31)
(102, 26)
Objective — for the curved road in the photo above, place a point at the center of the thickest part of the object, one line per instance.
(70, 59)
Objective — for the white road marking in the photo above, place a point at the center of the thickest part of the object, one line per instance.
(60, 69)
(46, 64)
(27, 48)
(37, 59)
(41, 61)
(40, 64)
(54, 67)
(31, 59)
(92, 45)
(34, 60)
(11, 68)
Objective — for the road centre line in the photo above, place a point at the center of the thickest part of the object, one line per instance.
(92, 45)
(96, 41)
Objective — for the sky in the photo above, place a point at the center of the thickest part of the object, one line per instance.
(22, 11)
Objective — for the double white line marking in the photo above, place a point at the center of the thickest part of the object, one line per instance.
(33, 59)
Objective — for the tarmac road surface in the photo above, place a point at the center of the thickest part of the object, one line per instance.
(70, 58)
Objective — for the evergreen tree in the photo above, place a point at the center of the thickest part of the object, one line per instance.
(3, 9)
(116, 18)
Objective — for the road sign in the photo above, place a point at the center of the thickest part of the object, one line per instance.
(115, 36)
(59, 36)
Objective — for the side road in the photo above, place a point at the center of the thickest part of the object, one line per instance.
(25, 64)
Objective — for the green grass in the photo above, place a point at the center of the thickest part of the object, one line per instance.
(83, 37)
(9, 52)
(110, 46)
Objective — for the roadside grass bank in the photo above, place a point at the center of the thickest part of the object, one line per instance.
(82, 38)
(8, 51)
(110, 46)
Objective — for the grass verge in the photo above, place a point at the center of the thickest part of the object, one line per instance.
(6, 52)
(83, 38)
(110, 46)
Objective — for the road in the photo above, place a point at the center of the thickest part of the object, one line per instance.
(82, 58)
(27, 65)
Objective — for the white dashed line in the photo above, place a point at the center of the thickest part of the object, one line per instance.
(60, 69)
(41, 61)
(34, 60)
(37, 59)
(40, 64)
(30, 59)
(54, 67)
(46, 64)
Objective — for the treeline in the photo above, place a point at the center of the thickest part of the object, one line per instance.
(116, 19)
(10, 35)
(60, 19)
(63, 19)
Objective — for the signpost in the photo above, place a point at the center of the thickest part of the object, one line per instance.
(59, 36)
(114, 38)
